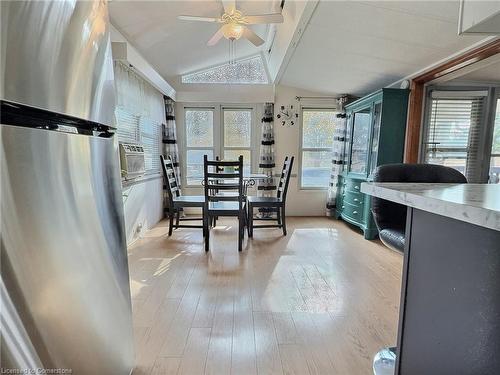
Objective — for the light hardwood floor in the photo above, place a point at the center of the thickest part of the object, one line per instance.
(321, 300)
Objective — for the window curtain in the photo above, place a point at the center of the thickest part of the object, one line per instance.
(267, 186)
(170, 147)
(136, 96)
(338, 156)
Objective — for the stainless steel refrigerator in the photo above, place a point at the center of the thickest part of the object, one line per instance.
(65, 298)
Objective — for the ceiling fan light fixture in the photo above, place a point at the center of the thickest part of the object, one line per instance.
(233, 31)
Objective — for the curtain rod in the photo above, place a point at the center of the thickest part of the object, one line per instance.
(316, 97)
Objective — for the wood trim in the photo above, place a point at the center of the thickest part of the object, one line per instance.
(415, 110)
(416, 101)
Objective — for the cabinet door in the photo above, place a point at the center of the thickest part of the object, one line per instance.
(360, 138)
(377, 116)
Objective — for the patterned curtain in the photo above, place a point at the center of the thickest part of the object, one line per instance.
(169, 140)
(170, 147)
(338, 156)
(266, 159)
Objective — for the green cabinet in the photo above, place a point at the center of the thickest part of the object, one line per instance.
(375, 135)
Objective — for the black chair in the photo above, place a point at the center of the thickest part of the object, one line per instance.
(217, 204)
(176, 201)
(274, 204)
(390, 217)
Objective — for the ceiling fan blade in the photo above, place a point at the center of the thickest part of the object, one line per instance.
(252, 37)
(197, 18)
(216, 37)
(229, 6)
(264, 18)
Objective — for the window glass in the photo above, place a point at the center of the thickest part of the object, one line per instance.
(318, 128)
(246, 71)
(194, 165)
(237, 128)
(199, 128)
(234, 154)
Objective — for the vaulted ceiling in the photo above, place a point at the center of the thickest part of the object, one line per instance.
(357, 47)
(177, 47)
(347, 46)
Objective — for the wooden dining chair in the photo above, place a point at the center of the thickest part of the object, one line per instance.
(277, 203)
(217, 204)
(176, 201)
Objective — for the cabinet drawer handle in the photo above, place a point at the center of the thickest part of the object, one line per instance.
(354, 212)
(356, 200)
(356, 187)
(343, 206)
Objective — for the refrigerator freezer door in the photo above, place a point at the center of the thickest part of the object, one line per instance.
(64, 261)
(56, 55)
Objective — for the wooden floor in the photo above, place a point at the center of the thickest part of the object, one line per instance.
(321, 300)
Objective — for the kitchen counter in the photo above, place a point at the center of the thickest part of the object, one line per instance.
(450, 304)
(477, 204)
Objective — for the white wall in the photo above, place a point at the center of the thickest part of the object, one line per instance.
(142, 199)
(143, 207)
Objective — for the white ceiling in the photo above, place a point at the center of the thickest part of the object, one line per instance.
(177, 47)
(357, 47)
(488, 74)
(348, 46)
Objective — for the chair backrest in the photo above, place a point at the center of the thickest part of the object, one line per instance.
(217, 179)
(170, 178)
(285, 178)
(392, 215)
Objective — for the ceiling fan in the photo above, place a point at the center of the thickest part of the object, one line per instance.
(234, 23)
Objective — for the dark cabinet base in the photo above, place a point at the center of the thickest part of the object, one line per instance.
(450, 305)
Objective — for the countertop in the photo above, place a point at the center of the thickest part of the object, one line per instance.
(477, 204)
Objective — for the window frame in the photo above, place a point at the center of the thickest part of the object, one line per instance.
(305, 149)
(218, 147)
(494, 108)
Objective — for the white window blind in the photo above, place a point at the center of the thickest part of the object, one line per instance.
(453, 131)
(150, 139)
(143, 130)
(127, 126)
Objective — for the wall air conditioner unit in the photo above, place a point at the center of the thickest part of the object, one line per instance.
(132, 160)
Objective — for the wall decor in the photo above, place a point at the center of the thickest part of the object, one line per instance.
(287, 115)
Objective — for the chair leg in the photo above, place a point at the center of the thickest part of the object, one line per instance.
(250, 221)
(206, 224)
(178, 218)
(241, 231)
(203, 214)
(171, 214)
(278, 216)
(283, 219)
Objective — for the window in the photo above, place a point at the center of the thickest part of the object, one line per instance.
(247, 71)
(494, 172)
(237, 138)
(229, 140)
(199, 142)
(140, 129)
(453, 131)
(318, 127)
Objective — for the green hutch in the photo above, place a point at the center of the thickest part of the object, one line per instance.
(375, 135)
